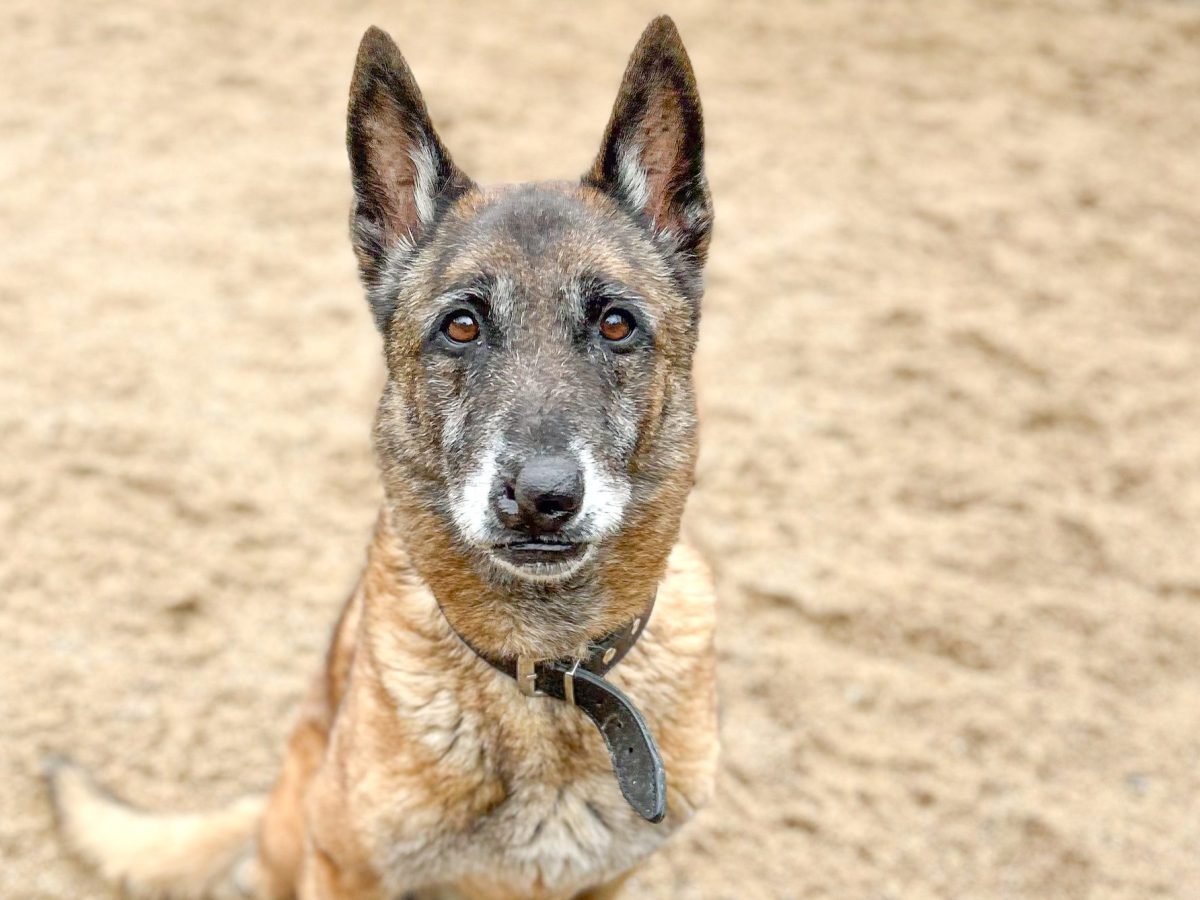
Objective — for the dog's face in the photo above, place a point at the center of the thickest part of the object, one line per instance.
(536, 338)
(538, 422)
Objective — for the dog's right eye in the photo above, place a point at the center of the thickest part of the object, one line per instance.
(460, 327)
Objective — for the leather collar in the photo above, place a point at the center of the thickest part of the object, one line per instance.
(580, 682)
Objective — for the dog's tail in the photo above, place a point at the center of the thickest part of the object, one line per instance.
(177, 856)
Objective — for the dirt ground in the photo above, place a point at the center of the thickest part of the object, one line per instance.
(950, 386)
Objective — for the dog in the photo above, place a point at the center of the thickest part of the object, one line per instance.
(536, 439)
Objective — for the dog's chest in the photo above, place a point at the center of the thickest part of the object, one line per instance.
(520, 801)
(552, 842)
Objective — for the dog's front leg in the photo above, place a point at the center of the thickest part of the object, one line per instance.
(334, 866)
(322, 877)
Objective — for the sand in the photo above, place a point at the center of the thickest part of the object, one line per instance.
(950, 387)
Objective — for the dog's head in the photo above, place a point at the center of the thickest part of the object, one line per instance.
(538, 425)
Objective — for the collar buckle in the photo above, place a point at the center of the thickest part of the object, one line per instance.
(569, 683)
(527, 676)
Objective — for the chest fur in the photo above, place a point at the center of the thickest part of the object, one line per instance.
(509, 796)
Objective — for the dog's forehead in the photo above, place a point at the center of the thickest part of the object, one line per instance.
(543, 234)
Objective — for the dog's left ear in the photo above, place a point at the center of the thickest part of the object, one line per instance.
(652, 157)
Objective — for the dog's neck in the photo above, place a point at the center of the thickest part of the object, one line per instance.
(517, 619)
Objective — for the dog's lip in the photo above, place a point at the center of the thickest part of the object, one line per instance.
(540, 546)
(539, 551)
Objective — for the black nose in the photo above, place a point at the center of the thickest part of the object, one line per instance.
(543, 497)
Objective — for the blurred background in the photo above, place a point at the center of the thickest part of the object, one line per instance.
(950, 389)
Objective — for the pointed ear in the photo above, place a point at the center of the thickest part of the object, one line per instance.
(652, 156)
(403, 175)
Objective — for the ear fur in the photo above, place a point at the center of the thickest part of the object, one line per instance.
(403, 175)
(652, 157)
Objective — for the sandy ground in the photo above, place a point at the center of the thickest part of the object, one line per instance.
(950, 382)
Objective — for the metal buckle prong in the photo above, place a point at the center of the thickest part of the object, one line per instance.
(527, 676)
(569, 683)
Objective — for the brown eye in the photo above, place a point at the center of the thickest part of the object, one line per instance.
(616, 325)
(461, 328)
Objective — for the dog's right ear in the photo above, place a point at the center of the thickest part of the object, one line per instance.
(403, 175)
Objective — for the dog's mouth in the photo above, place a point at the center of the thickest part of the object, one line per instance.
(540, 557)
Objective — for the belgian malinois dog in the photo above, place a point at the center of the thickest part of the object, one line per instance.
(500, 715)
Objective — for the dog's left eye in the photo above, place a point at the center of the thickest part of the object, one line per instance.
(616, 325)
(461, 327)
